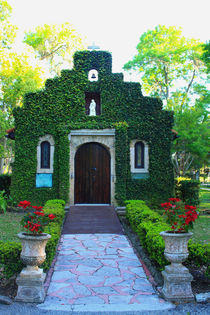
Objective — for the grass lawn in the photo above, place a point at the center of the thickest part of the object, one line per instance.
(204, 200)
(201, 231)
(10, 226)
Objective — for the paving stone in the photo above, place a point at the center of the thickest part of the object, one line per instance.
(129, 263)
(127, 276)
(96, 272)
(112, 281)
(5, 300)
(139, 272)
(111, 251)
(91, 262)
(122, 299)
(126, 250)
(107, 271)
(81, 290)
(149, 299)
(143, 288)
(105, 290)
(203, 297)
(66, 293)
(109, 262)
(62, 275)
(85, 270)
(89, 300)
(54, 287)
(66, 252)
(91, 280)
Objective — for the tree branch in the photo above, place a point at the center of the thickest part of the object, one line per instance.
(188, 88)
(46, 55)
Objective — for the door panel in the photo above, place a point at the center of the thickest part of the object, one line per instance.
(92, 174)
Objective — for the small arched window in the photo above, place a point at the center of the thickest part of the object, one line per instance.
(139, 154)
(45, 154)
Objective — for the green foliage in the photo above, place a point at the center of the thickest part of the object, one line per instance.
(3, 201)
(206, 54)
(149, 235)
(199, 254)
(53, 43)
(10, 258)
(5, 182)
(10, 251)
(188, 191)
(174, 68)
(55, 207)
(60, 108)
(7, 30)
(52, 203)
(148, 224)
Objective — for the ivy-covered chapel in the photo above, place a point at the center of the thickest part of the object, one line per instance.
(90, 138)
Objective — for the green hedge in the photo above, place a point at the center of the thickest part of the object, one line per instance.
(188, 191)
(5, 182)
(10, 251)
(148, 224)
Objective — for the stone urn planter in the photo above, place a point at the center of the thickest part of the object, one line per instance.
(31, 279)
(177, 279)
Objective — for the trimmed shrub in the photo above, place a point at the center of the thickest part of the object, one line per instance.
(148, 224)
(55, 202)
(10, 251)
(10, 258)
(188, 191)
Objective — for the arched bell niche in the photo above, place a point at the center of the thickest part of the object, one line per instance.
(93, 75)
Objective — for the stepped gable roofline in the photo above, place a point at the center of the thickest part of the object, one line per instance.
(87, 60)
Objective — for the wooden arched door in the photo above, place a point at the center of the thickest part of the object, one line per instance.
(92, 174)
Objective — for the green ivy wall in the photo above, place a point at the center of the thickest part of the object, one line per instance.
(60, 108)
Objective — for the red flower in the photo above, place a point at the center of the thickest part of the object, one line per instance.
(51, 216)
(24, 204)
(37, 208)
(174, 199)
(166, 205)
(39, 213)
(187, 207)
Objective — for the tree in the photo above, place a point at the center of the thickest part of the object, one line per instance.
(192, 146)
(7, 30)
(166, 58)
(55, 44)
(17, 77)
(172, 67)
(206, 55)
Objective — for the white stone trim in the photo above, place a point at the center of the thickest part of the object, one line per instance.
(50, 139)
(106, 137)
(132, 157)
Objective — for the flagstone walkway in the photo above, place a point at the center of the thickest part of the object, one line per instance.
(99, 273)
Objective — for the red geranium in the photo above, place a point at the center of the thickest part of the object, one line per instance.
(177, 216)
(37, 208)
(24, 204)
(35, 219)
(51, 216)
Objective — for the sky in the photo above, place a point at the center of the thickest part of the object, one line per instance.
(115, 25)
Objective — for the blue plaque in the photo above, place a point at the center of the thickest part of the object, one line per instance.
(139, 175)
(43, 180)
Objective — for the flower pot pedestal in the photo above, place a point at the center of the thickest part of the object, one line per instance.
(31, 279)
(177, 279)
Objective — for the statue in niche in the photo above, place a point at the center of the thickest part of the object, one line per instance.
(92, 108)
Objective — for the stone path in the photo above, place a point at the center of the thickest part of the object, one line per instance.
(99, 273)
